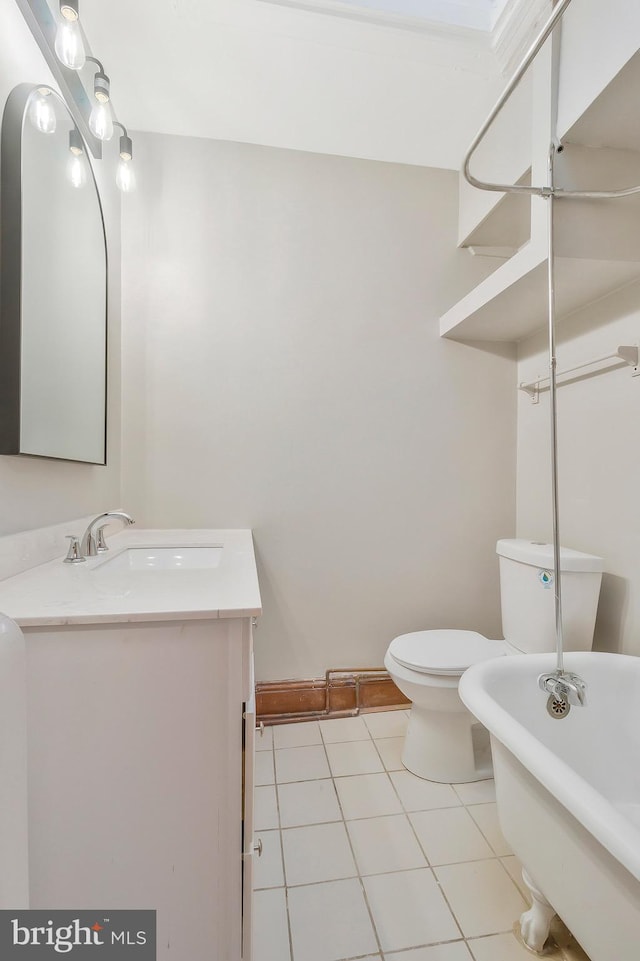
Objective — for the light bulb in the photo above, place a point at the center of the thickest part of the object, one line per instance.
(41, 111)
(77, 170)
(125, 176)
(101, 121)
(69, 46)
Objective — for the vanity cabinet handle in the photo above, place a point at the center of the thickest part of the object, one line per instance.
(258, 847)
(260, 728)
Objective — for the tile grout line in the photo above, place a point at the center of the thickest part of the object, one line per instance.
(353, 854)
(428, 864)
(499, 856)
(377, 874)
(343, 822)
(406, 816)
(432, 867)
(284, 870)
(496, 857)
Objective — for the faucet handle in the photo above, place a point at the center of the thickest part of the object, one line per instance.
(101, 544)
(74, 555)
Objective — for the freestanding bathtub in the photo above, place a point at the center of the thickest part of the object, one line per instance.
(568, 793)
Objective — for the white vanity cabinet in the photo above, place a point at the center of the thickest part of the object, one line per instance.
(251, 845)
(135, 775)
(140, 758)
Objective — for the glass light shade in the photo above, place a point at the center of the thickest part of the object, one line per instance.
(101, 121)
(69, 46)
(42, 113)
(77, 170)
(125, 176)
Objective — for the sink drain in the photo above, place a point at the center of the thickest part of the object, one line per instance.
(557, 706)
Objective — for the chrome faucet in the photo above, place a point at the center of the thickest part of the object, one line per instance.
(93, 542)
(564, 689)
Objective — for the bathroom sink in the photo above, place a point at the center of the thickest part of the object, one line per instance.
(134, 559)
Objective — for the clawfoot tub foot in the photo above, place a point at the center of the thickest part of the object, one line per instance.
(535, 923)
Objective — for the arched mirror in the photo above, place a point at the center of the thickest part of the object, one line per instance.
(53, 285)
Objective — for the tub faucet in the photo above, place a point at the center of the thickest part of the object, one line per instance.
(93, 542)
(564, 689)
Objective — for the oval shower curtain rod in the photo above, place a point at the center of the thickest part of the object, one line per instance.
(556, 14)
(562, 687)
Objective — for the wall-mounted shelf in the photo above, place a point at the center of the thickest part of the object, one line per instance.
(512, 302)
(507, 223)
(597, 241)
(597, 101)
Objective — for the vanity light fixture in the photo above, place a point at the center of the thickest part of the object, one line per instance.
(69, 45)
(42, 113)
(125, 175)
(77, 167)
(100, 119)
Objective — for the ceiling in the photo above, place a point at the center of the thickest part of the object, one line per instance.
(475, 14)
(406, 81)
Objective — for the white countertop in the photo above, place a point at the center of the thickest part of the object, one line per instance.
(56, 593)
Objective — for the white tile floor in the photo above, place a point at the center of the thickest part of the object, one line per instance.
(361, 859)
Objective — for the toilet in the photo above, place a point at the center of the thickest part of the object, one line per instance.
(444, 742)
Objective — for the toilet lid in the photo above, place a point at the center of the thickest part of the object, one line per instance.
(443, 652)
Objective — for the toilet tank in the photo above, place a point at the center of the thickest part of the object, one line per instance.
(528, 597)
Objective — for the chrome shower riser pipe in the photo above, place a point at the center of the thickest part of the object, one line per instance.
(553, 411)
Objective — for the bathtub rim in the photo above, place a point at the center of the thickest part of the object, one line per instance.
(591, 808)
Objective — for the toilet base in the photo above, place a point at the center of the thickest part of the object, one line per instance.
(451, 747)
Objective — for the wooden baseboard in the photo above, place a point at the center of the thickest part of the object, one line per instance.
(307, 699)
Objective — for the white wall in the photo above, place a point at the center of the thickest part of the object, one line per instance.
(598, 458)
(36, 492)
(283, 371)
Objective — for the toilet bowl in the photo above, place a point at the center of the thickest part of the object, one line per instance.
(444, 741)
